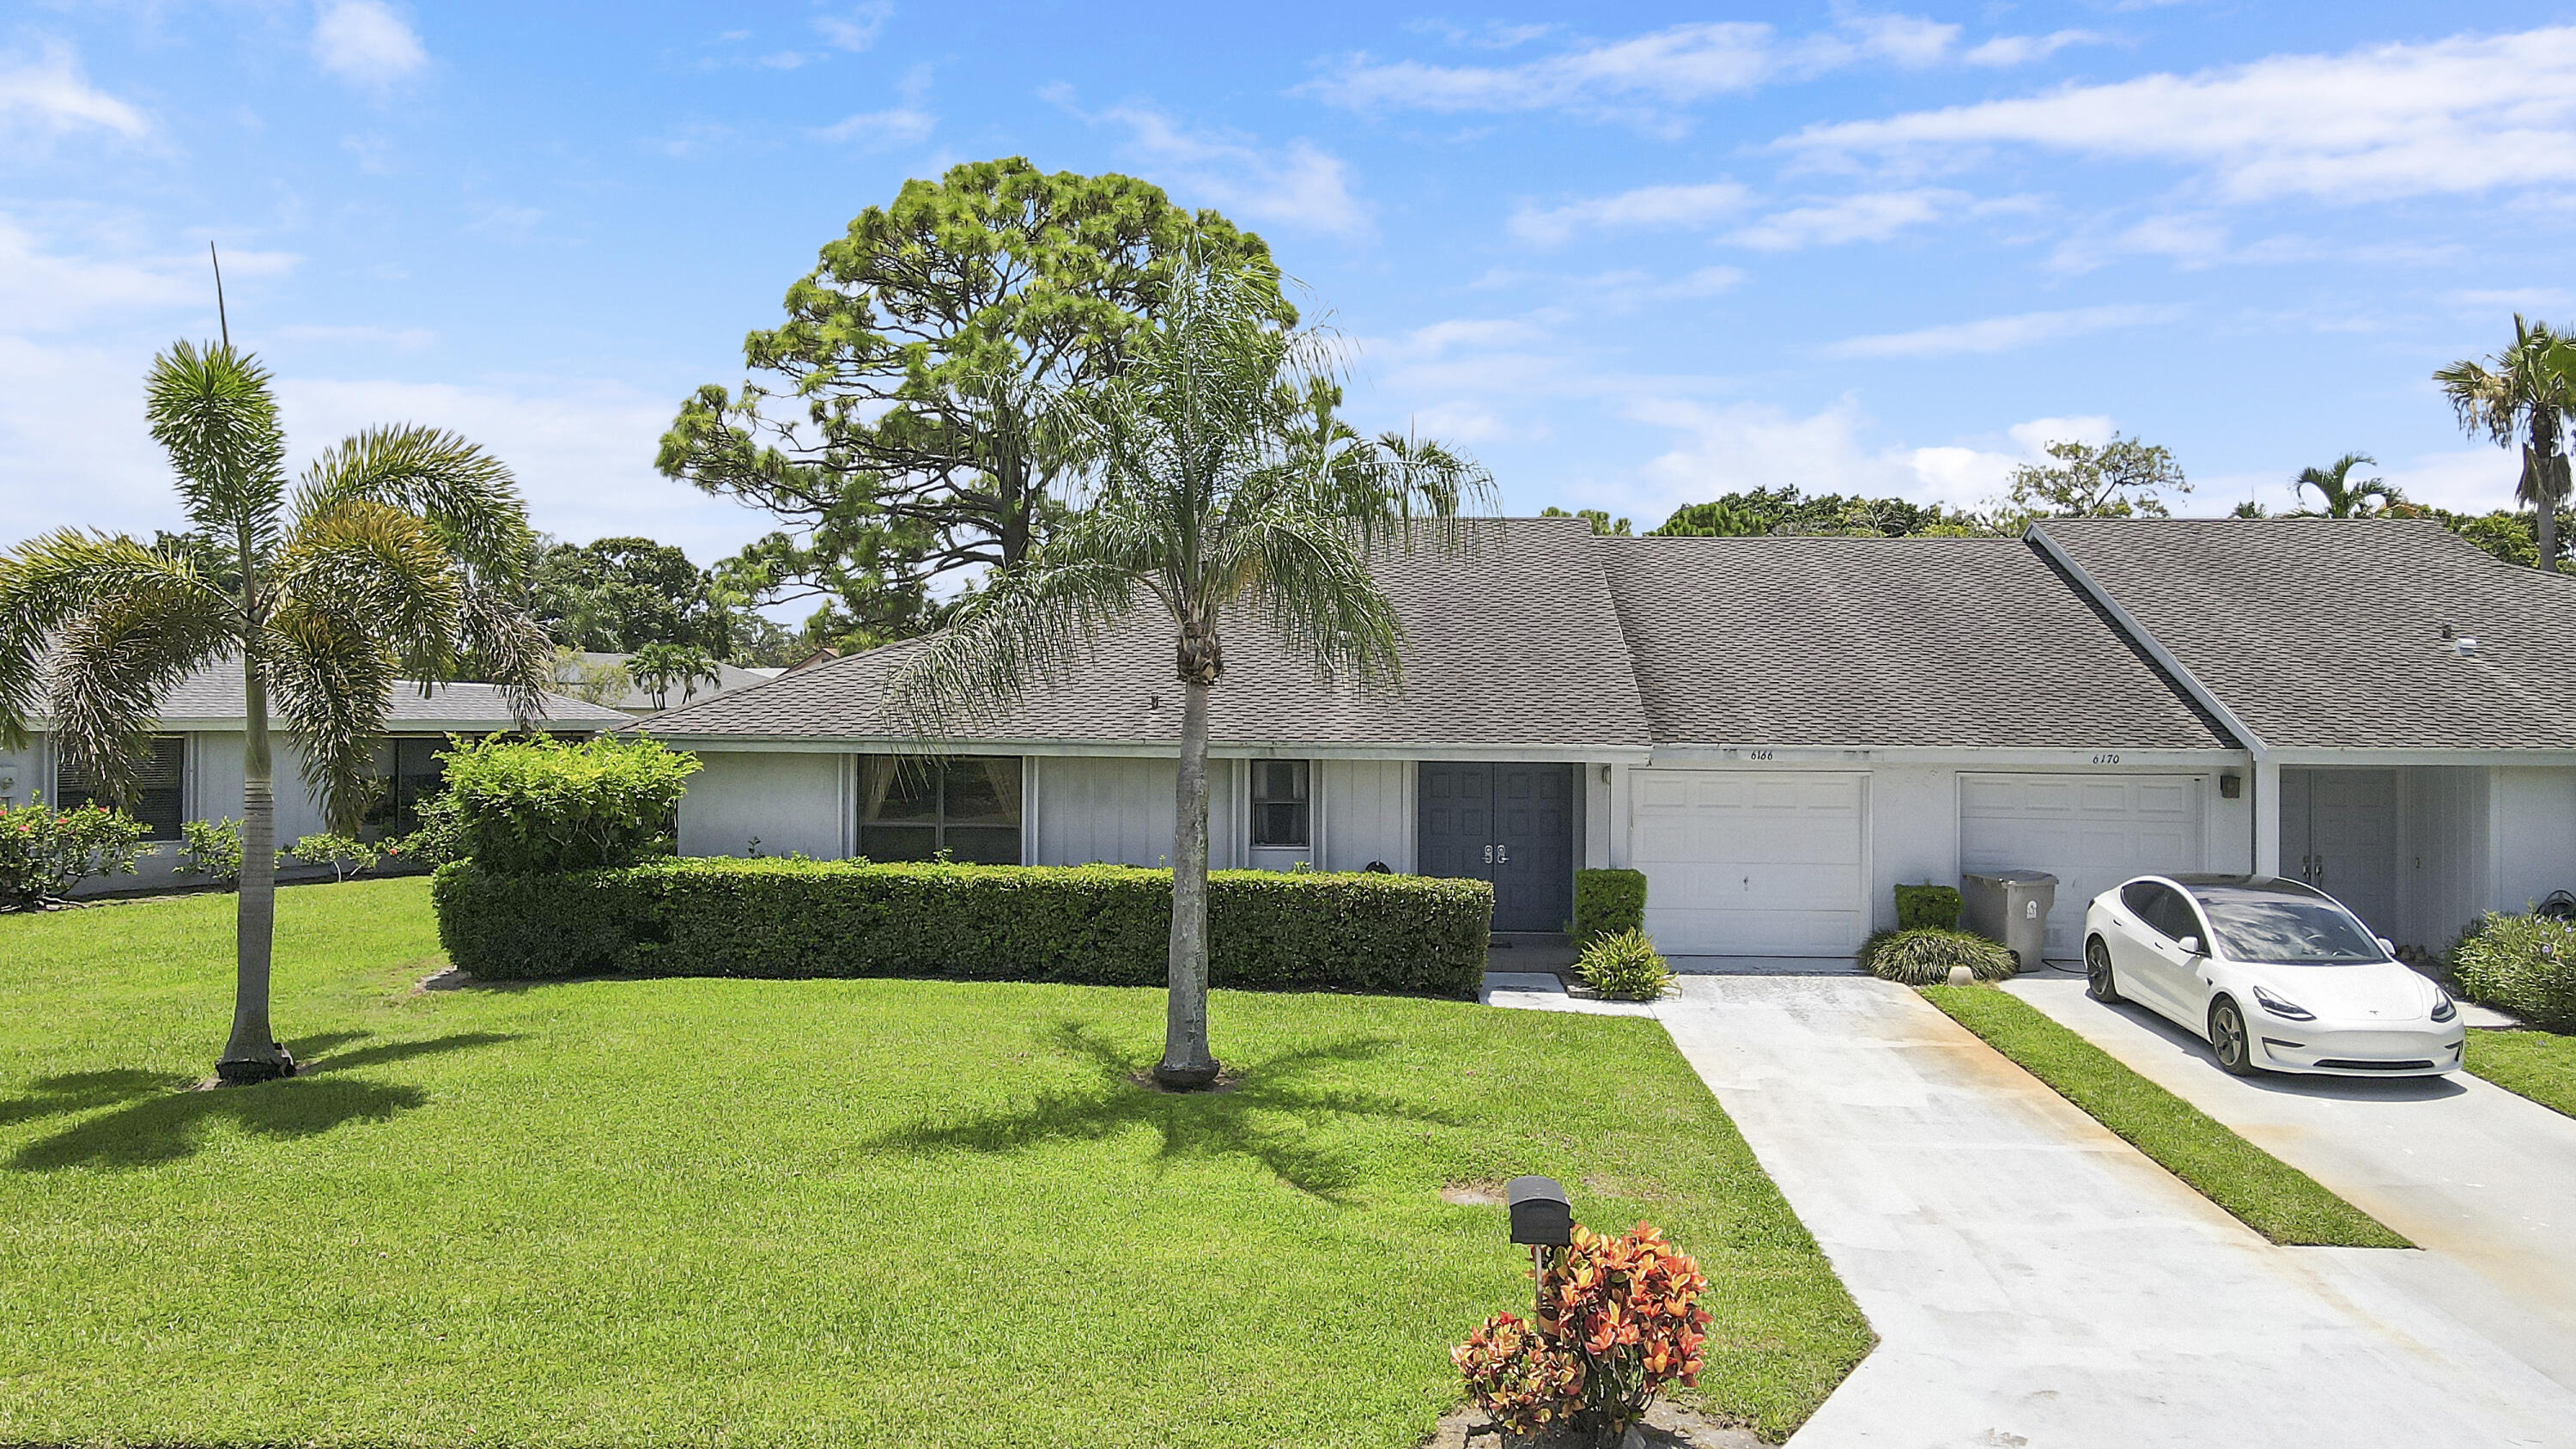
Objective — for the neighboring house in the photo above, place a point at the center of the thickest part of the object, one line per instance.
(602, 678)
(195, 771)
(1778, 730)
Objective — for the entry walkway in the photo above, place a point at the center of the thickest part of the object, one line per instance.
(2036, 1282)
(2483, 1180)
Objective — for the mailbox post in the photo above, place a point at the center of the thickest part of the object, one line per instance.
(1542, 1218)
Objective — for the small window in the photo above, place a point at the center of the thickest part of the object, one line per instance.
(912, 809)
(158, 776)
(1280, 809)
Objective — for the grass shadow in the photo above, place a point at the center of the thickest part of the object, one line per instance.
(161, 1120)
(1270, 1112)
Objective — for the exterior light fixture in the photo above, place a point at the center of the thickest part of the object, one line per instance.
(2230, 786)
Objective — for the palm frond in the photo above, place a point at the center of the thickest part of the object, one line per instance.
(1308, 577)
(1024, 629)
(357, 558)
(117, 625)
(503, 645)
(465, 494)
(211, 410)
(332, 684)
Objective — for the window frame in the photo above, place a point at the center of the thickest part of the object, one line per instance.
(1301, 800)
(938, 822)
(176, 791)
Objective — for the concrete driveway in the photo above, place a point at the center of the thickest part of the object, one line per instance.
(2036, 1282)
(2483, 1180)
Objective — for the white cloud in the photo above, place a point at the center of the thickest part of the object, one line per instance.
(908, 124)
(1738, 446)
(44, 290)
(1998, 334)
(366, 42)
(2462, 115)
(1300, 185)
(1869, 216)
(1908, 40)
(1647, 206)
(2011, 50)
(48, 96)
(857, 30)
(2526, 300)
(504, 222)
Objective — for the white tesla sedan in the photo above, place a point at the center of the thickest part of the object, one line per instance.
(2275, 975)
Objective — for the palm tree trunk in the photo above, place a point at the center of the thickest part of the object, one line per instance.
(2548, 539)
(253, 1054)
(1187, 1064)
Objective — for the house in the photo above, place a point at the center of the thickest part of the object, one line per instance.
(195, 768)
(1775, 730)
(605, 679)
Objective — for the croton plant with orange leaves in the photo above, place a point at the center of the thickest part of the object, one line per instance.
(1621, 1319)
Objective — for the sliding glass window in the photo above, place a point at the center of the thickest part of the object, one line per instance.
(968, 806)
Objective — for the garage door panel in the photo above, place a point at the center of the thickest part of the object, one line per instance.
(1751, 863)
(2089, 833)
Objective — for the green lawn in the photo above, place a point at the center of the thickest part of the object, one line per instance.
(2537, 1064)
(699, 1211)
(2267, 1194)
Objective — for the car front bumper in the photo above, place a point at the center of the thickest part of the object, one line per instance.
(2341, 1049)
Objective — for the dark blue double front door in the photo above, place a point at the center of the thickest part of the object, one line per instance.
(1509, 824)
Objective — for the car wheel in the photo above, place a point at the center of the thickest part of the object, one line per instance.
(2229, 1041)
(2097, 973)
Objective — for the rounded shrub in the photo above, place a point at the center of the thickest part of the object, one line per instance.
(1624, 966)
(1923, 957)
(2525, 965)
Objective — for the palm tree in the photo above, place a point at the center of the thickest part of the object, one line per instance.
(391, 559)
(1222, 486)
(658, 668)
(2343, 497)
(2519, 394)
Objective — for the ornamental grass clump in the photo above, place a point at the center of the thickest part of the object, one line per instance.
(1625, 966)
(2522, 964)
(1925, 956)
(1620, 1320)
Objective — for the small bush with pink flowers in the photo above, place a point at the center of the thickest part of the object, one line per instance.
(44, 852)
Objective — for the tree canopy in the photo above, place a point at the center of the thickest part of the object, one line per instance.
(2123, 478)
(891, 422)
(1786, 510)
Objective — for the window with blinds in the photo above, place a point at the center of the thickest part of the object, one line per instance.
(159, 781)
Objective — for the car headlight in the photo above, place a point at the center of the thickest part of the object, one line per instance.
(2286, 1010)
(2443, 1009)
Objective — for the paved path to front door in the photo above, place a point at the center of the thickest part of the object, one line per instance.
(2034, 1281)
(2483, 1180)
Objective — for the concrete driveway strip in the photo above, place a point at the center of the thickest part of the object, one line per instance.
(2483, 1180)
(2035, 1281)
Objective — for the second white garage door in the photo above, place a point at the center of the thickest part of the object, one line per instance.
(1752, 863)
(2090, 831)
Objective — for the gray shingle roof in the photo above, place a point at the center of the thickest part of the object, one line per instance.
(1513, 643)
(1956, 642)
(2327, 633)
(212, 698)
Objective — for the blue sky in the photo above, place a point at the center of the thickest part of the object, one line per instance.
(1630, 259)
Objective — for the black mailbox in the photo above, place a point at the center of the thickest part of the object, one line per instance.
(1540, 1213)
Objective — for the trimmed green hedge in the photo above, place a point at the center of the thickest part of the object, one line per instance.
(1607, 902)
(1927, 907)
(1097, 924)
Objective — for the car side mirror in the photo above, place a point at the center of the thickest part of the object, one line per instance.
(2190, 945)
(2386, 944)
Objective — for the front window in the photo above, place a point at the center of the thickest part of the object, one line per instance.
(914, 809)
(1280, 809)
(2289, 930)
(157, 798)
(408, 774)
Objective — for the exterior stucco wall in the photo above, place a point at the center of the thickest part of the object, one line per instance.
(1914, 833)
(2532, 834)
(791, 802)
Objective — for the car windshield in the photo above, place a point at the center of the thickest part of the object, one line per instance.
(2290, 930)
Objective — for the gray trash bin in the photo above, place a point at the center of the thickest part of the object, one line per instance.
(2010, 906)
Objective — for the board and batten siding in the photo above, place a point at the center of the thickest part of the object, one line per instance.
(1366, 813)
(2533, 823)
(788, 801)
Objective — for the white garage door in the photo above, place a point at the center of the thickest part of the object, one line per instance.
(2090, 831)
(1751, 863)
